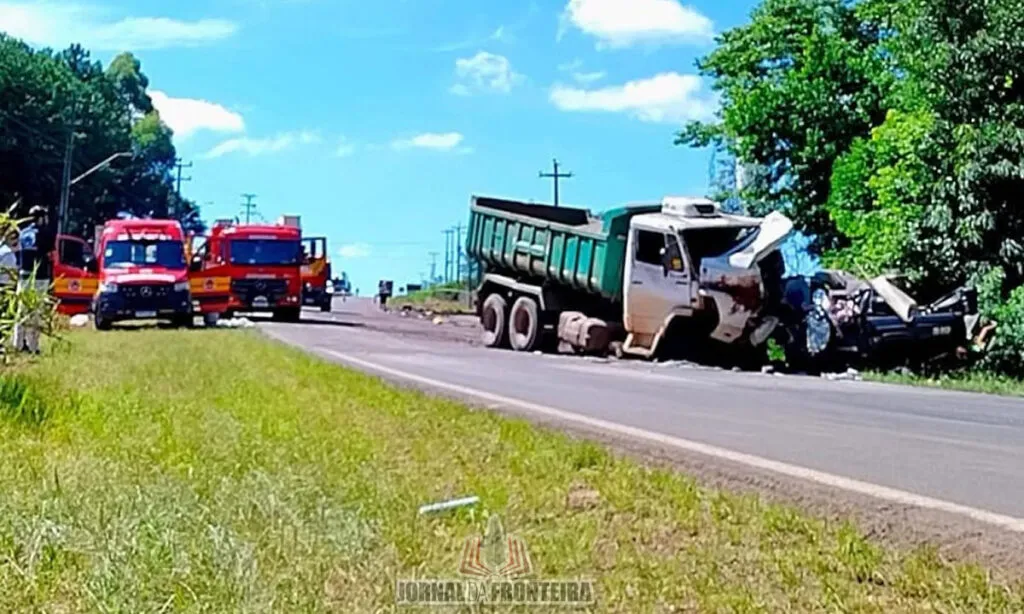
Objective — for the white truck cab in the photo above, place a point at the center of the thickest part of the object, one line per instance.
(691, 258)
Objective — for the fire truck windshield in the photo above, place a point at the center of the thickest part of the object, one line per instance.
(265, 252)
(125, 254)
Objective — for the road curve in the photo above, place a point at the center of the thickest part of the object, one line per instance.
(963, 450)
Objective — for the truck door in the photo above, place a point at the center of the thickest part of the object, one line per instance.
(75, 278)
(658, 281)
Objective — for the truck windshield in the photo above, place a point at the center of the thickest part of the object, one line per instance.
(124, 254)
(704, 243)
(265, 252)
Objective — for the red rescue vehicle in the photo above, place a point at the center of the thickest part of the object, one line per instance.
(249, 268)
(142, 273)
(75, 275)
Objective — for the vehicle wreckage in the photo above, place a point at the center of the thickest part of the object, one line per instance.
(834, 319)
(682, 278)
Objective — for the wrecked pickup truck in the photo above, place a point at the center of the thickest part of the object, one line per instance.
(833, 320)
(638, 280)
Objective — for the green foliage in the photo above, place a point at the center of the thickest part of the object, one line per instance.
(1006, 355)
(44, 98)
(892, 130)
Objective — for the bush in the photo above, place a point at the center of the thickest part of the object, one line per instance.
(1006, 355)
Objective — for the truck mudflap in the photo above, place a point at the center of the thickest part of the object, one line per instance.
(740, 289)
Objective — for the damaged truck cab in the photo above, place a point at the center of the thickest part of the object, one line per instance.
(634, 274)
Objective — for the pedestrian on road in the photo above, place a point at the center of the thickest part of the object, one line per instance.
(37, 240)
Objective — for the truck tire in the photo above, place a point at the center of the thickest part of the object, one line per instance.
(100, 322)
(493, 321)
(210, 319)
(524, 331)
(325, 307)
(184, 321)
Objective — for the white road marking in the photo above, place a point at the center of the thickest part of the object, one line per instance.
(877, 491)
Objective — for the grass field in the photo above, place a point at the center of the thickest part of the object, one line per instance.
(216, 471)
(440, 299)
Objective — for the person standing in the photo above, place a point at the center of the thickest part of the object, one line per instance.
(37, 240)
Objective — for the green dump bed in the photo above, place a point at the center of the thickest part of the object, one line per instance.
(557, 245)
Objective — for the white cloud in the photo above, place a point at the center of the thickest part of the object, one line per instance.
(586, 78)
(438, 141)
(621, 23)
(354, 250)
(667, 97)
(189, 115)
(258, 147)
(58, 25)
(571, 66)
(484, 72)
(345, 148)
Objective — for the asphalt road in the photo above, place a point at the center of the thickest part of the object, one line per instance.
(966, 449)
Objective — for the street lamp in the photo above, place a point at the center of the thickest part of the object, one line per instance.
(66, 192)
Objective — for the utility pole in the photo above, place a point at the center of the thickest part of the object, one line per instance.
(458, 252)
(65, 183)
(248, 207)
(178, 166)
(556, 176)
(433, 267)
(447, 254)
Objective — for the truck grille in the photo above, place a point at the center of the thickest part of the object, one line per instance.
(146, 297)
(248, 289)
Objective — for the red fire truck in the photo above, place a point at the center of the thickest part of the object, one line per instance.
(142, 273)
(317, 287)
(249, 268)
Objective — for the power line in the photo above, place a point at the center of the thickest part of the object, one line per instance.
(248, 207)
(556, 176)
(433, 266)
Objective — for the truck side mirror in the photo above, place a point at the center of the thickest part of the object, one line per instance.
(666, 261)
(196, 264)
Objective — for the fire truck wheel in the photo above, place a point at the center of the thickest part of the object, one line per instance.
(100, 322)
(326, 307)
(184, 321)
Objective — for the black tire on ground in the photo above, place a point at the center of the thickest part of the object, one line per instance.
(184, 321)
(288, 314)
(493, 321)
(210, 319)
(325, 307)
(100, 322)
(524, 330)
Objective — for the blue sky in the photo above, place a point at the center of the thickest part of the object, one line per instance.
(376, 121)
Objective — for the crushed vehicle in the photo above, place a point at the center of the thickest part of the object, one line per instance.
(834, 319)
(641, 280)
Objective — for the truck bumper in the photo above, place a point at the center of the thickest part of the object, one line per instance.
(316, 297)
(114, 307)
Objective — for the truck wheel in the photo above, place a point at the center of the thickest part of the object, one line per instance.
(183, 321)
(100, 322)
(493, 319)
(524, 325)
(326, 306)
(210, 319)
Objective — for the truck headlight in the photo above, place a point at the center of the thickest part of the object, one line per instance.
(108, 287)
(329, 288)
(181, 286)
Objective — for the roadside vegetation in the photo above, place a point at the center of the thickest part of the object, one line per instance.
(889, 130)
(217, 471)
(445, 299)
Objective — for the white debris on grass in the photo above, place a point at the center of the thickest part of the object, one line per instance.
(79, 321)
(236, 323)
(447, 505)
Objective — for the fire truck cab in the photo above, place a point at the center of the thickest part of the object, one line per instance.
(142, 273)
(260, 265)
(317, 286)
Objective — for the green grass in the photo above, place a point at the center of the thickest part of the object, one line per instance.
(969, 381)
(216, 471)
(442, 299)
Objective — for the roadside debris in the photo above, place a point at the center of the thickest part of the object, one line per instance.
(447, 505)
(79, 320)
(438, 320)
(581, 497)
(236, 323)
(850, 374)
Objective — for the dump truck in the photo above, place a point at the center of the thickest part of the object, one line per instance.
(635, 280)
